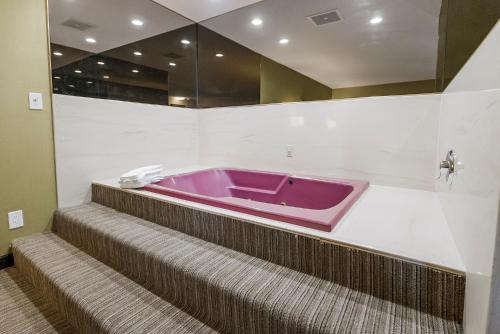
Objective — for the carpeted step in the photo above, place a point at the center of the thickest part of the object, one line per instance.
(233, 292)
(24, 311)
(93, 297)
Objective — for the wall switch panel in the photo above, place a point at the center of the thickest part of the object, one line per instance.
(36, 101)
(289, 151)
(16, 219)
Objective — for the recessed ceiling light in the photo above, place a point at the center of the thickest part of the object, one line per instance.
(57, 78)
(172, 64)
(90, 40)
(376, 20)
(257, 21)
(137, 53)
(185, 42)
(135, 71)
(100, 63)
(105, 76)
(137, 22)
(90, 82)
(78, 71)
(71, 86)
(57, 53)
(284, 41)
(219, 55)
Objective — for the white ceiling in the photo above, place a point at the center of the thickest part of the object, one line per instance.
(349, 53)
(199, 10)
(111, 20)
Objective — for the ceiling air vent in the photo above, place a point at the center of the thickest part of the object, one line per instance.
(78, 25)
(326, 17)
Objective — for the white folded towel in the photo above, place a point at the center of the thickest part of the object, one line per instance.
(140, 177)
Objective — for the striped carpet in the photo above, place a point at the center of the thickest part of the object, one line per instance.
(231, 291)
(22, 309)
(93, 297)
(424, 288)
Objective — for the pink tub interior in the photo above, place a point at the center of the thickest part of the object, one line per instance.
(310, 202)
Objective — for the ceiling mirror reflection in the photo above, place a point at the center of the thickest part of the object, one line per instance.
(202, 54)
(132, 50)
(323, 49)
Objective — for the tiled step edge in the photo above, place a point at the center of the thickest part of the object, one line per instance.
(426, 289)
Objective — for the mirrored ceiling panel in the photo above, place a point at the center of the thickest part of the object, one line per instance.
(206, 53)
(343, 45)
(199, 10)
(133, 50)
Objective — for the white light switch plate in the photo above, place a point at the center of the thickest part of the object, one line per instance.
(16, 219)
(36, 101)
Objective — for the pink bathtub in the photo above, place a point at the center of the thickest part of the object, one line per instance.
(311, 202)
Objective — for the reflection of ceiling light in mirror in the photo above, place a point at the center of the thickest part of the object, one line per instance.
(257, 21)
(284, 41)
(57, 78)
(137, 53)
(90, 40)
(71, 86)
(100, 63)
(219, 55)
(135, 71)
(90, 82)
(105, 76)
(56, 88)
(376, 20)
(57, 53)
(78, 71)
(172, 64)
(185, 42)
(137, 22)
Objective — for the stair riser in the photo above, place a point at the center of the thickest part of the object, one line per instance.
(221, 309)
(222, 302)
(425, 289)
(68, 309)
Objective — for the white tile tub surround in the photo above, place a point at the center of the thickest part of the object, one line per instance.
(470, 124)
(386, 140)
(98, 139)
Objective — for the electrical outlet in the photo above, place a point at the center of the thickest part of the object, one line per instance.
(16, 219)
(289, 151)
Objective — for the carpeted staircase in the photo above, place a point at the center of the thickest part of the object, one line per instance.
(108, 272)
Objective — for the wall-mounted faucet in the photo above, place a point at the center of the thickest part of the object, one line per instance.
(450, 167)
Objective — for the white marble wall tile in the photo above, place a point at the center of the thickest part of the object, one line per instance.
(97, 139)
(386, 140)
(470, 124)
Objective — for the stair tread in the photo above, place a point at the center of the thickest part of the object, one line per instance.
(127, 242)
(106, 300)
(24, 311)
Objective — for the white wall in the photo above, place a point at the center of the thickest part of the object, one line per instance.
(470, 124)
(98, 139)
(386, 140)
